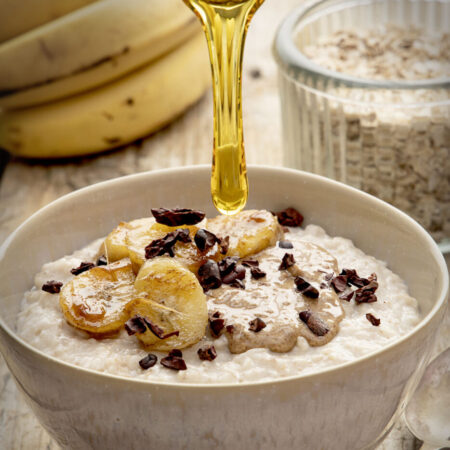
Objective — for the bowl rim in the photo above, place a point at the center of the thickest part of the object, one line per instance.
(324, 372)
(291, 59)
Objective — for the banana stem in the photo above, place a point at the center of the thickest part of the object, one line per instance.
(225, 24)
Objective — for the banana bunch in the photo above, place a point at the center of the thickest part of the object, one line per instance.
(100, 75)
(164, 296)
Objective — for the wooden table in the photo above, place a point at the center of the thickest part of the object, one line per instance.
(27, 186)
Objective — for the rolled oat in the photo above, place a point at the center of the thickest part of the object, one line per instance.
(392, 143)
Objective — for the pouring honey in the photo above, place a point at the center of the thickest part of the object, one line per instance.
(225, 23)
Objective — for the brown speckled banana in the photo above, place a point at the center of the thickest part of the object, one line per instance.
(25, 15)
(114, 114)
(89, 47)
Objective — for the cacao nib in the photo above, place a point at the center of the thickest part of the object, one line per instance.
(366, 294)
(240, 284)
(182, 235)
(224, 245)
(209, 275)
(250, 263)
(257, 325)
(314, 323)
(83, 267)
(176, 352)
(287, 261)
(373, 320)
(353, 278)
(257, 273)
(135, 325)
(216, 323)
(207, 353)
(160, 247)
(238, 273)
(148, 361)
(174, 363)
(366, 286)
(157, 248)
(52, 287)
(155, 329)
(362, 296)
(285, 244)
(306, 288)
(102, 261)
(158, 331)
(177, 216)
(205, 240)
(347, 296)
(339, 283)
(168, 335)
(230, 329)
(216, 326)
(290, 217)
(227, 265)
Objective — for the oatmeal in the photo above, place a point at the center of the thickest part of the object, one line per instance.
(304, 302)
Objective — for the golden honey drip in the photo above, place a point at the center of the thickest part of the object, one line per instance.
(225, 24)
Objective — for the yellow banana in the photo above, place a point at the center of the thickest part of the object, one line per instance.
(24, 15)
(114, 114)
(111, 68)
(90, 37)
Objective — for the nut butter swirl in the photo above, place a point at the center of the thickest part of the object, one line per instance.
(276, 300)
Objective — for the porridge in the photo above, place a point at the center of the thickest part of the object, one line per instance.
(225, 300)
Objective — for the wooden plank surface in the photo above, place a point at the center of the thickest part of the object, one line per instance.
(27, 186)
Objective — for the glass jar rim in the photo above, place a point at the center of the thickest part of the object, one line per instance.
(290, 58)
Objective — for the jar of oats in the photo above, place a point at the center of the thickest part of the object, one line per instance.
(365, 96)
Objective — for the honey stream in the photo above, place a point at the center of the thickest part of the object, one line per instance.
(225, 24)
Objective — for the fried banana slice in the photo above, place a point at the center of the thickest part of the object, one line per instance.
(185, 252)
(250, 231)
(95, 301)
(170, 298)
(115, 246)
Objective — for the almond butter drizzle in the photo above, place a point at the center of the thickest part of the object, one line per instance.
(278, 303)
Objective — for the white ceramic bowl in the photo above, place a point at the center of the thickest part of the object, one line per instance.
(348, 406)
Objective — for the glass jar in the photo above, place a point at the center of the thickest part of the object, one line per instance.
(390, 138)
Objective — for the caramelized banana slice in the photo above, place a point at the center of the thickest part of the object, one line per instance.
(95, 301)
(115, 246)
(170, 298)
(250, 231)
(185, 252)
